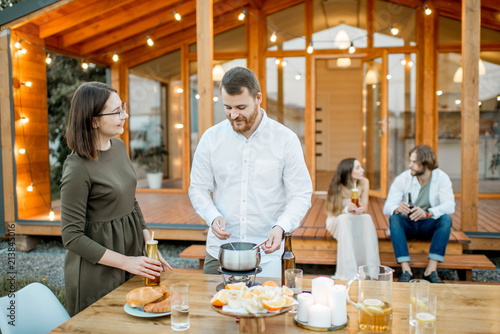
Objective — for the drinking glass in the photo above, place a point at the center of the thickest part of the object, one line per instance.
(293, 279)
(179, 299)
(426, 315)
(419, 292)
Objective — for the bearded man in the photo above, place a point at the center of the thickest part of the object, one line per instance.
(429, 216)
(254, 169)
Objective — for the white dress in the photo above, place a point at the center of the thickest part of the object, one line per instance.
(357, 243)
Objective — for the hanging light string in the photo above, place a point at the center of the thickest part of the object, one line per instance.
(393, 27)
(24, 120)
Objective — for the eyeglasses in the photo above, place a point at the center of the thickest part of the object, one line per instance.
(119, 111)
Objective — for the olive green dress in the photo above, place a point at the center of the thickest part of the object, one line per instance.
(98, 212)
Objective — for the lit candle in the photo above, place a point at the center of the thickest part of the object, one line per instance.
(305, 300)
(337, 300)
(320, 289)
(319, 315)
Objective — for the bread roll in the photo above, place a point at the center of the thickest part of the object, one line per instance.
(142, 296)
(161, 306)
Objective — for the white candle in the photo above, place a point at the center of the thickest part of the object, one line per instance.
(320, 289)
(305, 300)
(337, 300)
(319, 315)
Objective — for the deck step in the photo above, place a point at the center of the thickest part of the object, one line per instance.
(464, 263)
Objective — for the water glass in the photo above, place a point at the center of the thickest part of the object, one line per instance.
(419, 292)
(179, 299)
(426, 315)
(293, 279)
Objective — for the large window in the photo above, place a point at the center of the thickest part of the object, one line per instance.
(156, 123)
(290, 29)
(450, 119)
(390, 15)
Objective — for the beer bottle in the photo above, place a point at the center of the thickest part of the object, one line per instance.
(287, 259)
(410, 204)
(355, 196)
(152, 253)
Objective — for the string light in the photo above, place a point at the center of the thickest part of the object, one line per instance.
(273, 37)
(27, 83)
(51, 215)
(352, 49)
(216, 99)
(439, 93)
(197, 96)
(403, 62)
(277, 61)
(23, 51)
(410, 63)
(48, 60)
(310, 48)
(389, 77)
(24, 119)
(178, 16)
(30, 187)
(22, 151)
(284, 63)
(115, 57)
(85, 66)
(297, 77)
(241, 17)
(180, 90)
(394, 31)
(150, 41)
(18, 44)
(428, 11)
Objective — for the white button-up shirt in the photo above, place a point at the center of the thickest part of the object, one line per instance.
(257, 183)
(441, 196)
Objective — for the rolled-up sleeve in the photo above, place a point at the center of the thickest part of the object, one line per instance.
(446, 199)
(203, 183)
(75, 187)
(298, 187)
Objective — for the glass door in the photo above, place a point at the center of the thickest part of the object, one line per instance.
(375, 122)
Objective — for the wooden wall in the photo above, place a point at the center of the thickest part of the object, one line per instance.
(31, 102)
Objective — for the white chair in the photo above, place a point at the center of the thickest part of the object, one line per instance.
(34, 309)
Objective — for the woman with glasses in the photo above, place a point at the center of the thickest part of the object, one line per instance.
(102, 226)
(350, 224)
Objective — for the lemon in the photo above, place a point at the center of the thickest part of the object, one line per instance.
(373, 302)
(375, 309)
(425, 317)
(365, 309)
(419, 302)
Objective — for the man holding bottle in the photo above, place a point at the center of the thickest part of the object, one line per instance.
(429, 215)
(255, 169)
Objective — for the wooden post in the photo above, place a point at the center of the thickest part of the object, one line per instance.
(6, 130)
(186, 121)
(310, 110)
(254, 43)
(427, 123)
(205, 45)
(471, 27)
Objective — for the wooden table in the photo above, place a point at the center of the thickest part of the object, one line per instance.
(463, 308)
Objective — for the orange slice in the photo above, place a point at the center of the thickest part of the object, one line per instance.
(287, 291)
(234, 286)
(275, 304)
(220, 298)
(288, 301)
(270, 283)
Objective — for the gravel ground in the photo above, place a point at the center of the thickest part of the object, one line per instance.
(47, 261)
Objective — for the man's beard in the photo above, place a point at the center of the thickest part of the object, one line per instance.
(249, 122)
(418, 172)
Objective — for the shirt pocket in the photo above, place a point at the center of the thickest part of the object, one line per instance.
(268, 174)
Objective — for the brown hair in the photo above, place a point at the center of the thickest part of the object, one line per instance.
(342, 177)
(88, 101)
(426, 156)
(236, 78)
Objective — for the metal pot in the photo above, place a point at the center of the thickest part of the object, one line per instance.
(241, 258)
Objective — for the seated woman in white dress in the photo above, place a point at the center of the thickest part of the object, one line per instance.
(357, 242)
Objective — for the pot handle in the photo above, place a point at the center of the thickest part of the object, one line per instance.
(352, 280)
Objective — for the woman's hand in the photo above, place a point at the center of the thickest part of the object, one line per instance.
(164, 263)
(144, 266)
(360, 210)
(351, 207)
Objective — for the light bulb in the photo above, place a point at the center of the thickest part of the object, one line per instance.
(178, 16)
(403, 62)
(273, 37)
(85, 65)
(428, 11)
(479, 103)
(297, 77)
(23, 51)
(439, 93)
(30, 187)
(284, 63)
(115, 57)
(410, 63)
(25, 119)
(51, 215)
(197, 96)
(389, 77)
(310, 48)
(18, 44)
(458, 101)
(241, 17)
(179, 90)
(498, 98)
(22, 151)
(27, 83)
(277, 61)
(48, 60)
(216, 99)
(150, 41)
(179, 126)
(394, 31)
(352, 49)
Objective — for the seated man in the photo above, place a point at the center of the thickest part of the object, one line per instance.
(428, 218)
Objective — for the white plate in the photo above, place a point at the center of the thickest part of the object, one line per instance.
(138, 312)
